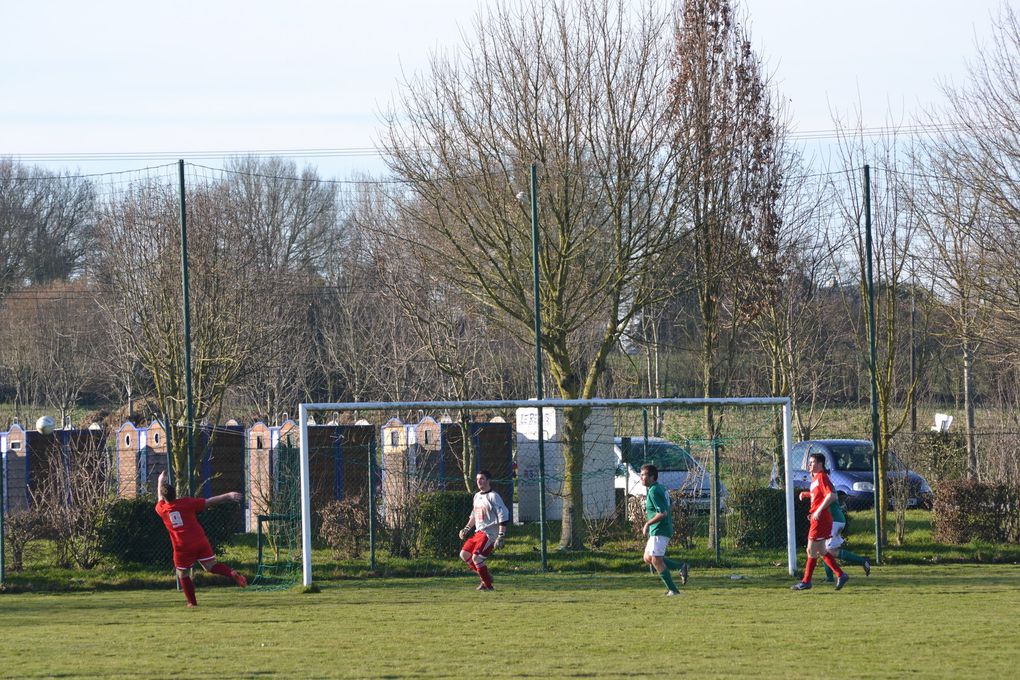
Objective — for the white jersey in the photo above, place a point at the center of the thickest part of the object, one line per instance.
(489, 512)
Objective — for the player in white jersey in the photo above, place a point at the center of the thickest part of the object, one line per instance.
(489, 519)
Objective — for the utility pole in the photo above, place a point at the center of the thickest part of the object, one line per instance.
(872, 361)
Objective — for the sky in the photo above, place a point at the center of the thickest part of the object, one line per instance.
(113, 85)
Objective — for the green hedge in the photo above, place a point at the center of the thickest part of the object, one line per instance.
(135, 533)
(965, 511)
(439, 518)
(758, 518)
(938, 456)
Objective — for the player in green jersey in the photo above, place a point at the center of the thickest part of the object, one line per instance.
(658, 527)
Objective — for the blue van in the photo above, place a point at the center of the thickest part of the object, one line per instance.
(849, 465)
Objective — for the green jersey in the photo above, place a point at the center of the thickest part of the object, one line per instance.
(837, 512)
(656, 501)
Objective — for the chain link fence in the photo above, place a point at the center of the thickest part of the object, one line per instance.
(390, 492)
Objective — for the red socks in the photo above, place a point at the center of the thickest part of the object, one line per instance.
(222, 570)
(471, 565)
(483, 572)
(189, 590)
(809, 569)
(831, 563)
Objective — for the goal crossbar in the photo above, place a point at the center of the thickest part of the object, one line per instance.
(306, 408)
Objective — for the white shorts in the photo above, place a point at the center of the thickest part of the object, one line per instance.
(656, 546)
(835, 540)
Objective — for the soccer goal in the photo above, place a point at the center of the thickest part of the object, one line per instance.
(369, 469)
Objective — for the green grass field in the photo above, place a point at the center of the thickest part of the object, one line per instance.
(903, 621)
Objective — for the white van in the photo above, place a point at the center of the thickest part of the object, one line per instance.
(678, 470)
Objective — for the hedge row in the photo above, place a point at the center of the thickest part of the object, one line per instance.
(965, 511)
(134, 532)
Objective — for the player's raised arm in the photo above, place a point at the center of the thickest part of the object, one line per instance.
(159, 485)
(232, 497)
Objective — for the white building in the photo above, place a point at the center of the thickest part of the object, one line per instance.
(599, 464)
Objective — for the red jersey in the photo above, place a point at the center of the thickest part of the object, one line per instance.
(820, 488)
(180, 520)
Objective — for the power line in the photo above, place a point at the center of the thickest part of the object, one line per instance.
(915, 129)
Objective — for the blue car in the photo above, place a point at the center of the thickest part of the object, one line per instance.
(849, 465)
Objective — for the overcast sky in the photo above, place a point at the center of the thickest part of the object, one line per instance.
(138, 77)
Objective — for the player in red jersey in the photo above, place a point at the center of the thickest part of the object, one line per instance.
(188, 537)
(822, 496)
(489, 518)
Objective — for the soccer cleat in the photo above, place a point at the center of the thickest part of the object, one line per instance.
(672, 593)
(240, 580)
(801, 585)
(482, 586)
(867, 567)
(684, 569)
(192, 606)
(841, 580)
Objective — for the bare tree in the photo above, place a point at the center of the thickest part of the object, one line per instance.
(293, 218)
(75, 493)
(63, 326)
(21, 361)
(579, 87)
(46, 223)
(791, 326)
(894, 228)
(138, 265)
(727, 128)
(976, 203)
(958, 261)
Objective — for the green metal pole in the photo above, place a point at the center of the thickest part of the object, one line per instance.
(3, 508)
(644, 432)
(538, 364)
(872, 360)
(715, 498)
(371, 504)
(186, 303)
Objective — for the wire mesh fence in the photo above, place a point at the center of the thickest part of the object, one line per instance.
(389, 490)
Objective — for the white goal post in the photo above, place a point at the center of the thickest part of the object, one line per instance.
(307, 409)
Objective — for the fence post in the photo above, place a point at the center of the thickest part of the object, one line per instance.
(3, 510)
(371, 504)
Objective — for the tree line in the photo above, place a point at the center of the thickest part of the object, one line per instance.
(686, 247)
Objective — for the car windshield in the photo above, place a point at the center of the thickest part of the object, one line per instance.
(851, 457)
(666, 456)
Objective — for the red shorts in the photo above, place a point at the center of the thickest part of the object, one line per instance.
(187, 556)
(820, 530)
(479, 544)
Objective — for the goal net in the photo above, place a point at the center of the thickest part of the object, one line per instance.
(383, 488)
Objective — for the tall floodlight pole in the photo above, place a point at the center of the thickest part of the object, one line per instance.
(186, 304)
(538, 363)
(872, 360)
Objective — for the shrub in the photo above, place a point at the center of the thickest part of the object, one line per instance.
(439, 517)
(599, 530)
(20, 527)
(344, 526)
(684, 518)
(134, 532)
(758, 518)
(75, 495)
(937, 456)
(965, 511)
